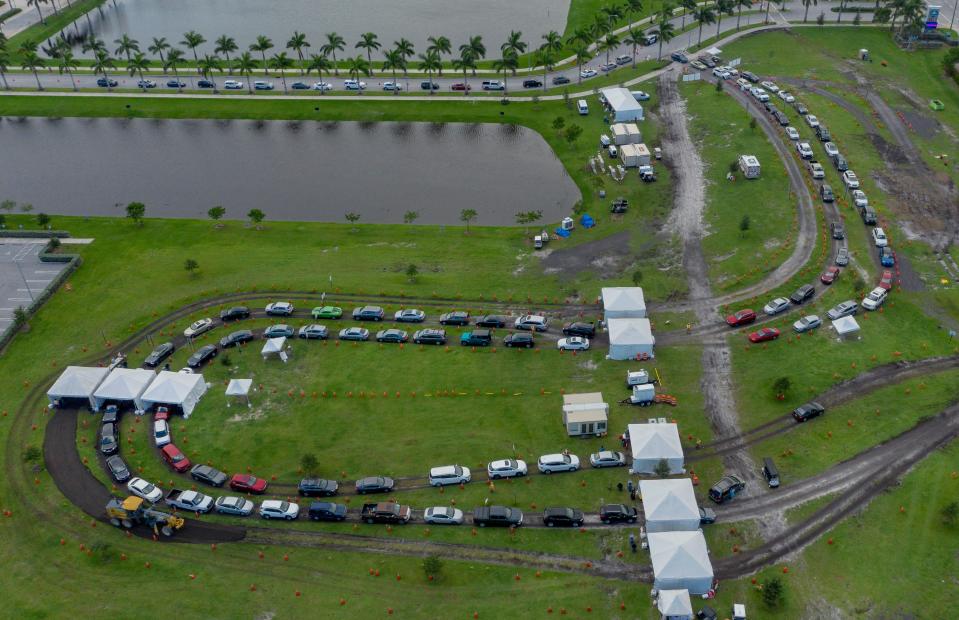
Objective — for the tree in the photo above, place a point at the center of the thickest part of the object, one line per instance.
(67, 63)
(467, 216)
(42, 220)
(256, 217)
(572, 133)
(821, 19)
(950, 514)
(158, 46)
(309, 464)
(126, 46)
(411, 272)
(26, 207)
(432, 567)
(781, 387)
(138, 64)
(334, 43)
(440, 46)
(665, 31)
(662, 468)
(393, 60)
(582, 55)
(208, 64)
(744, 224)
(191, 266)
(528, 217)
(263, 44)
(216, 214)
(558, 123)
(514, 45)
(320, 64)
(609, 43)
(723, 7)
(296, 43)
(136, 211)
(507, 64)
(719, 86)
(464, 63)
(753, 123)
(281, 62)
(687, 5)
(704, 15)
(474, 46)
(552, 42)
(356, 67)
(32, 61)
(369, 43)
(807, 4)
(226, 45)
(406, 50)
(103, 63)
(740, 5)
(634, 38)
(8, 205)
(20, 318)
(637, 277)
(4, 63)
(352, 217)
(193, 40)
(173, 59)
(857, 18)
(245, 64)
(37, 3)
(430, 62)
(545, 57)
(94, 45)
(773, 591)
(410, 216)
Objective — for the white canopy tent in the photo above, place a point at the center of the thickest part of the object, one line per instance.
(846, 327)
(124, 384)
(274, 346)
(680, 561)
(239, 387)
(623, 302)
(669, 505)
(622, 104)
(178, 389)
(675, 605)
(79, 382)
(652, 443)
(630, 339)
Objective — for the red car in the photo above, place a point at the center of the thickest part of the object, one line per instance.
(886, 280)
(461, 86)
(176, 459)
(829, 276)
(764, 334)
(742, 317)
(247, 483)
(162, 413)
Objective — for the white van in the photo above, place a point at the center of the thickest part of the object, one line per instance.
(879, 237)
(582, 107)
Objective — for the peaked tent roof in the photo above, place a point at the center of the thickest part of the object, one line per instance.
(630, 331)
(669, 499)
(77, 382)
(655, 440)
(274, 345)
(171, 387)
(845, 325)
(125, 384)
(239, 387)
(674, 603)
(623, 297)
(679, 555)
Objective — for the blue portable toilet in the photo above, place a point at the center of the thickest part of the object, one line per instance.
(587, 221)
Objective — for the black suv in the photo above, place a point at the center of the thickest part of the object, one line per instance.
(118, 469)
(808, 411)
(244, 335)
(208, 475)
(202, 355)
(327, 511)
(563, 517)
(491, 320)
(823, 133)
(455, 318)
(235, 313)
(803, 293)
(725, 489)
(159, 354)
(617, 513)
(840, 163)
(868, 215)
(825, 192)
(837, 231)
(430, 336)
(317, 487)
(519, 339)
(584, 330)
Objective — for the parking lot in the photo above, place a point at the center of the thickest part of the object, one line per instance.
(22, 276)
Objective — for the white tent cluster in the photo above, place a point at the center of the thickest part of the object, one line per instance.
(175, 388)
(630, 332)
(143, 388)
(124, 384)
(622, 104)
(680, 561)
(670, 505)
(651, 443)
(77, 382)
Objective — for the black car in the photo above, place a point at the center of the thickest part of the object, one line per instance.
(584, 330)
(105, 83)
(300, 86)
(368, 313)
(840, 163)
(519, 339)
(118, 469)
(202, 356)
(238, 337)
(532, 84)
(802, 294)
(707, 516)
(825, 192)
(823, 133)
(175, 84)
(617, 513)
(562, 517)
(392, 335)
(317, 487)
(159, 354)
(560, 80)
(455, 318)
(502, 516)
(374, 484)
(205, 84)
(491, 320)
(706, 613)
(680, 57)
(428, 85)
(808, 411)
(868, 215)
(235, 313)
(727, 488)
(752, 77)
(837, 231)
(327, 511)
(801, 109)
(430, 336)
(208, 475)
(108, 439)
(782, 118)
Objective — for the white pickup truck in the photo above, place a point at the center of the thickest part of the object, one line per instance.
(194, 501)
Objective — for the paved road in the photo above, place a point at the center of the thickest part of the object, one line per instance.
(22, 276)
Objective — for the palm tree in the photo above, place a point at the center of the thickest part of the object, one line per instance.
(440, 45)
(475, 48)
(508, 62)
(369, 43)
(515, 45)
(393, 61)
(263, 44)
(127, 46)
(297, 42)
(741, 4)
(319, 64)
(634, 39)
(37, 3)
(609, 43)
(4, 60)
(159, 46)
(245, 64)
(93, 44)
(611, 13)
(769, 3)
(805, 3)
(356, 67)
(430, 62)
(553, 42)
(334, 43)
(207, 65)
(665, 31)
(630, 8)
(226, 45)
(723, 7)
(704, 15)
(138, 64)
(545, 57)
(103, 62)
(580, 35)
(32, 61)
(687, 5)
(67, 63)
(173, 59)
(465, 62)
(193, 40)
(281, 62)
(582, 55)
(406, 50)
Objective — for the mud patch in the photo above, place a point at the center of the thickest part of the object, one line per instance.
(249, 415)
(923, 125)
(611, 254)
(589, 365)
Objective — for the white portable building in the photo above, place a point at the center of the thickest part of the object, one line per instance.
(623, 302)
(630, 339)
(124, 384)
(622, 104)
(675, 605)
(749, 164)
(585, 414)
(77, 383)
(635, 136)
(846, 327)
(669, 504)
(652, 443)
(680, 561)
(634, 155)
(620, 134)
(177, 389)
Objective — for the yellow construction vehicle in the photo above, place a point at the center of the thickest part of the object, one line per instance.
(126, 513)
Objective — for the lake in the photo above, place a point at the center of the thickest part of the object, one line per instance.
(291, 170)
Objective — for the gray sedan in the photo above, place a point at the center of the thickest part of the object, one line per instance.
(354, 333)
(314, 332)
(231, 505)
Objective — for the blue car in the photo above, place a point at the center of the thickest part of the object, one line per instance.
(679, 57)
(104, 83)
(887, 258)
(300, 86)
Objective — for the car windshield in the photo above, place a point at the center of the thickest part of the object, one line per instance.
(251, 480)
(145, 487)
(178, 457)
(283, 506)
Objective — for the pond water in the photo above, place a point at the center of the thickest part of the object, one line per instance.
(304, 170)
(243, 20)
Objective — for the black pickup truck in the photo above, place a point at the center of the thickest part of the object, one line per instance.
(386, 512)
(502, 516)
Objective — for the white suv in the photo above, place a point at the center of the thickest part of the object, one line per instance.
(548, 463)
(449, 474)
(279, 509)
(507, 468)
(812, 121)
(879, 237)
(161, 433)
(850, 179)
(874, 299)
(532, 322)
(859, 198)
(805, 151)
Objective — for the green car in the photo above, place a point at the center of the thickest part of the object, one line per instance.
(327, 312)
(937, 105)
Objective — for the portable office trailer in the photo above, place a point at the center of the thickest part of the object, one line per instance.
(749, 164)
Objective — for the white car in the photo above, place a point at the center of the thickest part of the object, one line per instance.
(859, 198)
(786, 96)
(279, 509)
(279, 308)
(812, 121)
(816, 169)
(805, 151)
(322, 86)
(449, 474)
(409, 315)
(807, 323)
(776, 306)
(532, 322)
(850, 179)
(507, 468)
(262, 85)
(392, 86)
(792, 133)
(831, 149)
(232, 505)
(161, 433)
(875, 298)
(198, 327)
(354, 85)
(548, 463)
(143, 489)
(588, 73)
(573, 343)
(443, 515)
(879, 237)
(607, 458)
(743, 84)
(233, 84)
(770, 86)
(721, 73)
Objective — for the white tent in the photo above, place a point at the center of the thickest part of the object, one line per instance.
(669, 505)
(846, 327)
(623, 302)
(239, 387)
(680, 561)
(178, 389)
(274, 346)
(675, 605)
(622, 104)
(630, 339)
(652, 443)
(77, 382)
(124, 384)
